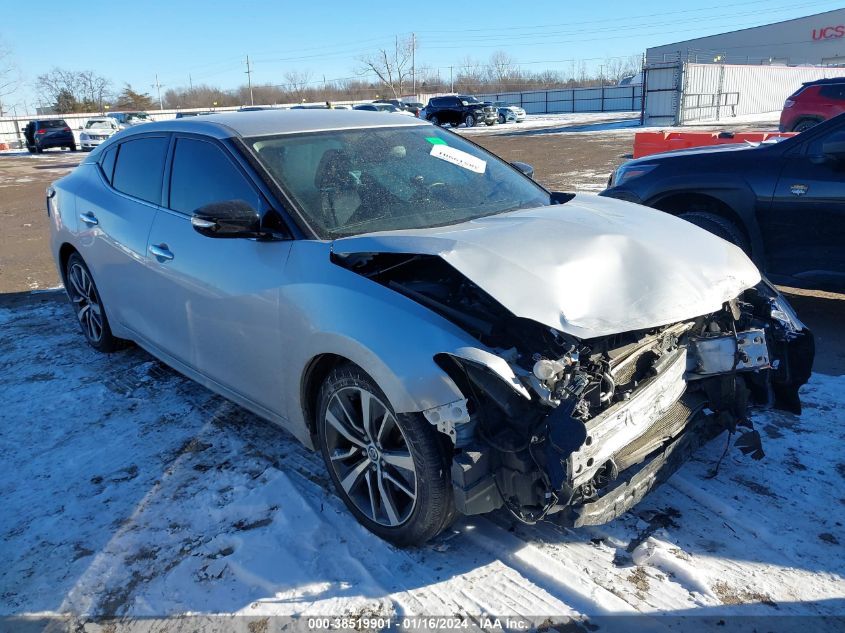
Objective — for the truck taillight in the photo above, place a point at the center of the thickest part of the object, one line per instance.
(42, 131)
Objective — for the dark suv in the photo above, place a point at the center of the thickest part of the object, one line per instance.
(782, 202)
(812, 103)
(459, 109)
(43, 134)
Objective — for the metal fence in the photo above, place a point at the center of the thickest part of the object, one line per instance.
(681, 93)
(563, 100)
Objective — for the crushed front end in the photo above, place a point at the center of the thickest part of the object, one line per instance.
(610, 418)
(581, 429)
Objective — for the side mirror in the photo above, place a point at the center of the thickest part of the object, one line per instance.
(229, 218)
(525, 168)
(834, 150)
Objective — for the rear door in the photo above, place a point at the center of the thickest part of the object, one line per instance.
(216, 299)
(805, 228)
(115, 219)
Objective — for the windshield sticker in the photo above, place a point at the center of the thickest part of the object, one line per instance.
(459, 158)
(435, 141)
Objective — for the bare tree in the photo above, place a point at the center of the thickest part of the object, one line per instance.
(73, 91)
(296, 83)
(391, 66)
(9, 76)
(618, 68)
(501, 67)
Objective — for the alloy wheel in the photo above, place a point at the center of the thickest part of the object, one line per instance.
(370, 456)
(86, 302)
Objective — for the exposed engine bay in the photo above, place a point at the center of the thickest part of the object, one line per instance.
(588, 426)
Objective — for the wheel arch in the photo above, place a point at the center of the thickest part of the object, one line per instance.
(65, 251)
(730, 205)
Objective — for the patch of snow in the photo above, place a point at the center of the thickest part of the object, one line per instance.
(130, 490)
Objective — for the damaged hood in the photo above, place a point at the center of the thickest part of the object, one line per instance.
(591, 267)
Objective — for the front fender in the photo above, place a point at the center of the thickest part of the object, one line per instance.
(327, 309)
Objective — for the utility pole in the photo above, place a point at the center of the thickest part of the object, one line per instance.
(249, 80)
(190, 83)
(413, 61)
(451, 81)
(158, 86)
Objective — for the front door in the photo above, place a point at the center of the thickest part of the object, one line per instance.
(805, 227)
(216, 299)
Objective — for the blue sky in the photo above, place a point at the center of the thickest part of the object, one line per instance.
(131, 42)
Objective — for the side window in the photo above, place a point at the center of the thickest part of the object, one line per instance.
(107, 162)
(833, 91)
(202, 174)
(138, 169)
(834, 136)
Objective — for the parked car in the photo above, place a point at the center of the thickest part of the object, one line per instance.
(812, 103)
(449, 334)
(507, 112)
(97, 130)
(413, 107)
(183, 115)
(382, 107)
(128, 119)
(459, 109)
(781, 202)
(44, 134)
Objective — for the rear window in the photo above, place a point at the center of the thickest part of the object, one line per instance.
(107, 162)
(52, 124)
(833, 91)
(139, 166)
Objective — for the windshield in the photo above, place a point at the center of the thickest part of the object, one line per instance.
(348, 182)
(137, 115)
(386, 107)
(99, 124)
(469, 99)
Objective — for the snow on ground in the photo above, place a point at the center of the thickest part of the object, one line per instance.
(128, 490)
(616, 123)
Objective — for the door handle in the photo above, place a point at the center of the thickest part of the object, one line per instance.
(89, 218)
(161, 251)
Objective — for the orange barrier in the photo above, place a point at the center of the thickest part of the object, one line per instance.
(646, 143)
(3, 146)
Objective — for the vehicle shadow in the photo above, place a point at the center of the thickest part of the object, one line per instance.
(132, 491)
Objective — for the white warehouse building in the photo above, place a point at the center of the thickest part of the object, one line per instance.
(817, 40)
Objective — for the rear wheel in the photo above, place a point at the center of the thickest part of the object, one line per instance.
(502, 119)
(719, 226)
(88, 306)
(435, 119)
(73, 147)
(390, 470)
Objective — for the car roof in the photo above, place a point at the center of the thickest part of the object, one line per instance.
(266, 122)
(831, 80)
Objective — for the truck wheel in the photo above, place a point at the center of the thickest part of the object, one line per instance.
(390, 470)
(469, 121)
(718, 226)
(435, 119)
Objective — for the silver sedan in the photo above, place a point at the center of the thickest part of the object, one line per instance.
(452, 336)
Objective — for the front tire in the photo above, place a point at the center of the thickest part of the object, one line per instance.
(435, 120)
(469, 120)
(390, 470)
(719, 226)
(804, 125)
(88, 306)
